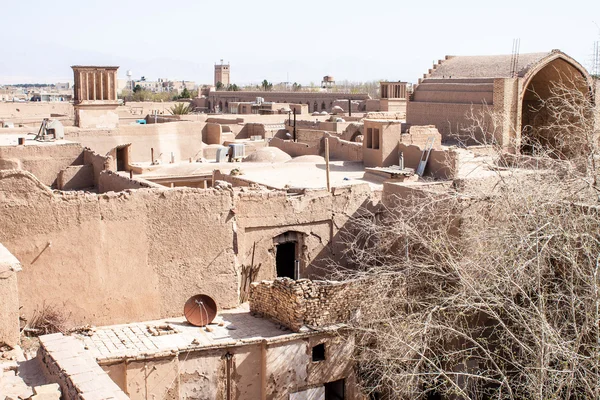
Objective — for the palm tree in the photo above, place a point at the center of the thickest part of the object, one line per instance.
(266, 85)
(181, 109)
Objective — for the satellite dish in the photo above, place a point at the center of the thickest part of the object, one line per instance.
(200, 310)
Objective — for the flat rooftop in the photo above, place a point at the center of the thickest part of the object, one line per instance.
(12, 139)
(302, 172)
(233, 327)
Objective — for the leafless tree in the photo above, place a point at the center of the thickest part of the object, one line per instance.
(489, 289)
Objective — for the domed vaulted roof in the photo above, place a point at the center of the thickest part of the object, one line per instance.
(498, 66)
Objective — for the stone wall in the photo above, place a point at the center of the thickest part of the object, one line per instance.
(303, 303)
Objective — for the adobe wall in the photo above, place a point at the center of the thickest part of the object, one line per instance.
(109, 181)
(76, 177)
(450, 119)
(96, 117)
(183, 138)
(266, 369)
(442, 164)
(119, 257)
(9, 306)
(44, 160)
(32, 112)
(344, 150)
(212, 134)
(310, 137)
(140, 254)
(99, 163)
(295, 149)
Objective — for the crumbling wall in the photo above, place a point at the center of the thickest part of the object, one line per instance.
(98, 162)
(140, 254)
(344, 150)
(118, 257)
(311, 137)
(110, 181)
(9, 305)
(76, 177)
(295, 149)
(65, 361)
(44, 160)
(299, 303)
(442, 164)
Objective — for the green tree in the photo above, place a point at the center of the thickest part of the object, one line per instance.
(220, 85)
(266, 85)
(233, 88)
(185, 94)
(137, 88)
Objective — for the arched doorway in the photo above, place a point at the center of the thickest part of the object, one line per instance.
(549, 96)
(288, 247)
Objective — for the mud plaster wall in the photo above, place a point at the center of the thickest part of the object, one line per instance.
(295, 149)
(290, 367)
(316, 217)
(344, 150)
(121, 257)
(112, 182)
(76, 177)
(45, 161)
(280, 368)
(140, 254)
(9, 308)
(98, 162)
(183, 138)
(442, 164)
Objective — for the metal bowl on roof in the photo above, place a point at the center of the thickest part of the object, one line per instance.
(200, 310)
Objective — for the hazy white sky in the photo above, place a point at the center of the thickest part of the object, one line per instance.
(267, 39)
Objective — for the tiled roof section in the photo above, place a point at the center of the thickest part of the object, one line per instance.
(485, 66)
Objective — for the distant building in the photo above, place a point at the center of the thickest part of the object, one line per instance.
(164, 85)
(222, 72)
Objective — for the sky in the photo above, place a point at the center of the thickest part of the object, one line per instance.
(280, 41)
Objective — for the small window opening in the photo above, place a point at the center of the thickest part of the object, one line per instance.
(335, 390)
(318, 352)
(376, 138)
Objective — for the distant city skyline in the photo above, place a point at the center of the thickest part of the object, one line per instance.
(351, 40)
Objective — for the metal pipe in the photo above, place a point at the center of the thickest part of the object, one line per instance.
(349, 107)
(294, 124)
(327, 163)
(152, 155)
(228, 358)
